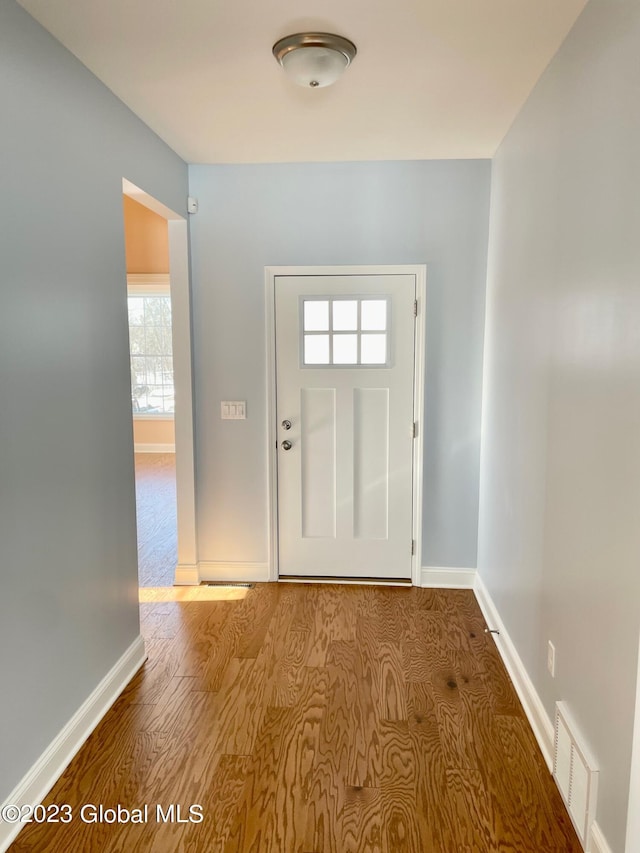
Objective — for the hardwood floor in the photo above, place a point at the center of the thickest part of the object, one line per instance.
(156, 517)
(316, 719)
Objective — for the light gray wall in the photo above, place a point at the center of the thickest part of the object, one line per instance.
(335, 213)
(559, 530)
(68, 579)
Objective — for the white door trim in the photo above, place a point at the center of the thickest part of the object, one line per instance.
(187, 571)
(420, 273)
(633, 818)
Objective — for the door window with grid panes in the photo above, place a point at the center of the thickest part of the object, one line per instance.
(345, 332)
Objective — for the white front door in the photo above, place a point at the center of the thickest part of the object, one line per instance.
(345, 415)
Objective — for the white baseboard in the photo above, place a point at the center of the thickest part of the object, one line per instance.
(534, 709)
(47, 769)
(597, 842)
(531, 702)
(154, 448)
(315, 579)
(446, 578)
(187, 575)
(223, 571)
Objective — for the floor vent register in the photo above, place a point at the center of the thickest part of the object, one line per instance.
(575, 773)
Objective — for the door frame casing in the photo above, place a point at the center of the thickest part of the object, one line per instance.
(187, 569)
(420, 273)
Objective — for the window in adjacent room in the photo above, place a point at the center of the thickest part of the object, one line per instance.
(152, 391)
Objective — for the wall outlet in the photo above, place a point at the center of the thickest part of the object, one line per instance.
(551, 659)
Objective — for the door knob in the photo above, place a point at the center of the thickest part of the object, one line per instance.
(286, 445)
(286, 424)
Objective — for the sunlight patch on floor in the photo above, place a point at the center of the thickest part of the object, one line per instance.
(150, 594)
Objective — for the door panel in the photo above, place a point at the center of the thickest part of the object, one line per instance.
(371, 463)
(344, 379)
(318, 462)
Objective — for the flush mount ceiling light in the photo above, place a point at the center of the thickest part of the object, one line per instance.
(314, 59)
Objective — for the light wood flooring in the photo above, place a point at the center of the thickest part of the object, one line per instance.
(316, 719)
(156, 517)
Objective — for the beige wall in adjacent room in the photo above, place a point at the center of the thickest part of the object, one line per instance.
(146, 239)
(148, 431)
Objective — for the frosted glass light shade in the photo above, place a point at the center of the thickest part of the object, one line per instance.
(314, 66)
(314, 60)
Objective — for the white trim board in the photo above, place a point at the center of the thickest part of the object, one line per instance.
(187, 574)
(39, 780)
(598, 843)
(148, 278)
(146, 200)
(141, 447)
(419, 386)
(183, 380)
(531, 702)
(447, 578)
(233, 571)
(632, 843)
(310, 579)
(534, 709)
(420, 273)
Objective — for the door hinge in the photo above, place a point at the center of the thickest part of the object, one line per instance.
(413, 547)
(414, 429)
(415, 308)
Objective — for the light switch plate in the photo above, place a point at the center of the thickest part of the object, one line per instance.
(233, 410)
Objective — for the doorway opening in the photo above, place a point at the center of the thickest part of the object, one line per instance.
(152, 391)
(161, 401)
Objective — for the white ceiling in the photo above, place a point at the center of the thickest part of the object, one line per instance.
(432, 78)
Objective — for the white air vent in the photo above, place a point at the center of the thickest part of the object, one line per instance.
(575, 774)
